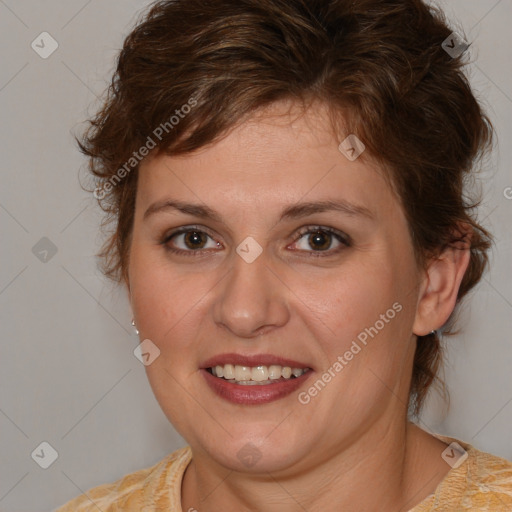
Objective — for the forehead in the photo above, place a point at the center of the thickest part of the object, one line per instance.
(279, 155)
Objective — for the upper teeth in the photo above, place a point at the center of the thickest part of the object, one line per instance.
(256, 373)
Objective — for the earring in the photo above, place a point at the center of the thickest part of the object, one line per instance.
(433, 332)
(133, 323)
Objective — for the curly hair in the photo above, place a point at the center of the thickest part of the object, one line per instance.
(191, 70)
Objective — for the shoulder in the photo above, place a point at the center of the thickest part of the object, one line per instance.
(477, 481)
(158, 484)
(489, 480)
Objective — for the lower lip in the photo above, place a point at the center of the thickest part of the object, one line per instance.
(256, 394)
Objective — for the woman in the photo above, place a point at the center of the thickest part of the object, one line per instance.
(286, 180)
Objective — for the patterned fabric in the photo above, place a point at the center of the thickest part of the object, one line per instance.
(483, 482)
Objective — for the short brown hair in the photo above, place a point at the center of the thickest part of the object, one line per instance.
(381, 64)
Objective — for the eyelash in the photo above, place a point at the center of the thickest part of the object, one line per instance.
(341, 237)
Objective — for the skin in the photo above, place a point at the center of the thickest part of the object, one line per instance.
(322, 455)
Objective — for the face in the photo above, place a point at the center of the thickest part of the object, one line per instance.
(254, 275)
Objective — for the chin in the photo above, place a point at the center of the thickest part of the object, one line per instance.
(248, 457)
(264, 450)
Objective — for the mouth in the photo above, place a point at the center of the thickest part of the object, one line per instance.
(255, 379)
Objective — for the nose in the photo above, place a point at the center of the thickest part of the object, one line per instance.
(251, 299)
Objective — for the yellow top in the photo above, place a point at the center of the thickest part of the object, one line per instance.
(480, 481)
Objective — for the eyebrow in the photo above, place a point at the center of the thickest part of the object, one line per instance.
(294, 211)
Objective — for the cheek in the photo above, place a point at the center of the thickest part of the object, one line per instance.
(358, 299)
(369, 312)
(160, 296)
(166, 303)
(366, 348)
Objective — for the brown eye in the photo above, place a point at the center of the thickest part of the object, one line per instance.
(194, 239)
(189, 241)
(321, 240)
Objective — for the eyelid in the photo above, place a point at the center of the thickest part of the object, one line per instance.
(185, 229)
(346, 239)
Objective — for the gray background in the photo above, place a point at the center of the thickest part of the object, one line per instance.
(68, 373)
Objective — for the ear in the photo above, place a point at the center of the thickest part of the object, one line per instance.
(439, 289)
